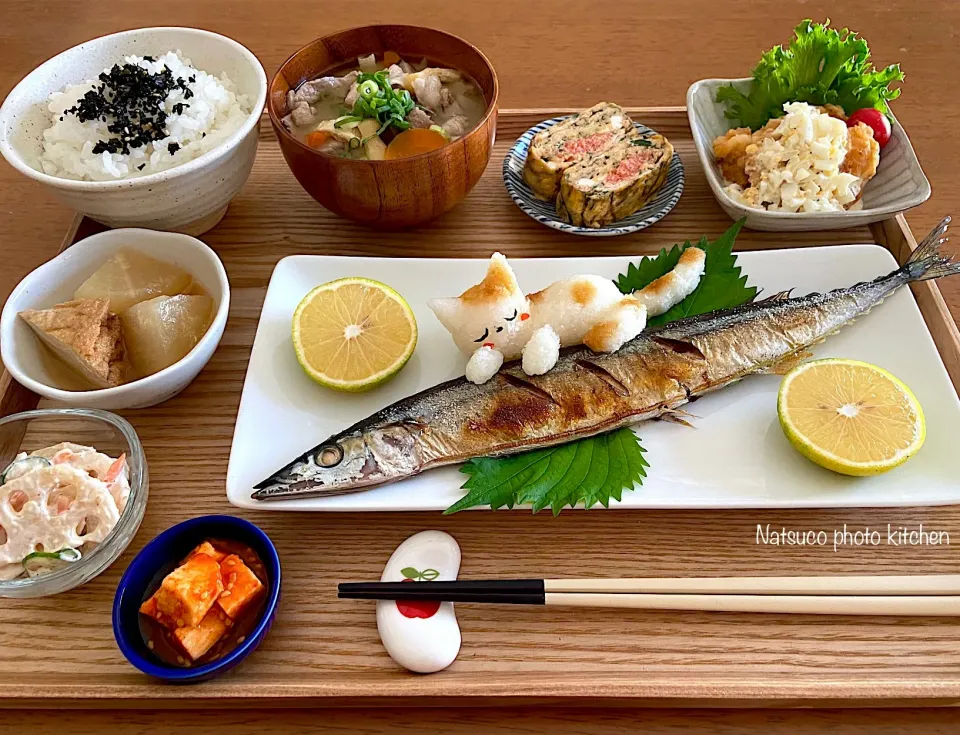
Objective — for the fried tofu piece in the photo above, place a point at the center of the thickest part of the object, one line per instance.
(207, 548)
(149, 608)
(241, 586)
(197, 640)
(86, 337)
(189, 591)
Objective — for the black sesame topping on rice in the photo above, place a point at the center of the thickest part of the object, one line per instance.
(132, 100)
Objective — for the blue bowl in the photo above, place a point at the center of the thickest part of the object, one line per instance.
(161, 555)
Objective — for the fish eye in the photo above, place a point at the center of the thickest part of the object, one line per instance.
(330, 455)
(510, 318)
(499, 329)
(486, 333)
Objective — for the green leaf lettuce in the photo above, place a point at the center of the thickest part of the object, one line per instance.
(821, 66)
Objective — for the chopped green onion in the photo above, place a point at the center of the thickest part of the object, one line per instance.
(41, 562)
(341, 121)
(377, 100)
(368, 89)
(355, 143)
(67, 554)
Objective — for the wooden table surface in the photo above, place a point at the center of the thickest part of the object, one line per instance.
(557, 53)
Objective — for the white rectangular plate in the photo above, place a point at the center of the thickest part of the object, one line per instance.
(736, 457)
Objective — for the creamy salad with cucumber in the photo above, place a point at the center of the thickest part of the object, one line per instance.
(57, 504)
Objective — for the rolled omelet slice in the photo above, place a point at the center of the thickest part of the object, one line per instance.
(554, 150)
(607, 186)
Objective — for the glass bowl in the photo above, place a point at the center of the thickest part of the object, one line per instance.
(108, 433)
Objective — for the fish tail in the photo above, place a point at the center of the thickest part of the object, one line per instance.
(927, 262)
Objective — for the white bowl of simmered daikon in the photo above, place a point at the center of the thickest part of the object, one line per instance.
(125, 318)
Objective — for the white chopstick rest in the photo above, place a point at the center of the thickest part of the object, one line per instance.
(421, 636)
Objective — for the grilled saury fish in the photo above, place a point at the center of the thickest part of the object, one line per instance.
(587, 393)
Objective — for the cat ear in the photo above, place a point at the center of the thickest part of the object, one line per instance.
(498, 284)
(500, 275)
(448, 311)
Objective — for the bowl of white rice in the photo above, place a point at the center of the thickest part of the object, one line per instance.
(154, 127)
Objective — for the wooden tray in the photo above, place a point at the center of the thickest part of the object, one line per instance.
(59, 652)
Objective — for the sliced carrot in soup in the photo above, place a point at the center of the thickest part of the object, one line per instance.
(413, 142)
(318, 138)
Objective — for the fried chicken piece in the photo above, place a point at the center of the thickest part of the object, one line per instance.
(734, 149)
(730, 151)
(863, 153)
(834, 111)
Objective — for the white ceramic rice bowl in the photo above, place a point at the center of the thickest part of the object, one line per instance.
(56, 281)
(191, 197)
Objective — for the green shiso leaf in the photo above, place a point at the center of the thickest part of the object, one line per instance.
(585, 472)
(721, 287)
(599, 469)
(821, 66)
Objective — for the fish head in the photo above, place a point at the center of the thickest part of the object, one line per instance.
(346, 463)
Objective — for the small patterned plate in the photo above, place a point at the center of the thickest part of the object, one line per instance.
(545, 212)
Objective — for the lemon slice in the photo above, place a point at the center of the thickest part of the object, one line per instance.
(353, 334)
(850, 417)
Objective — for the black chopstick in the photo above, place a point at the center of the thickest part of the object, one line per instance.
(502, 591)
(929, 595)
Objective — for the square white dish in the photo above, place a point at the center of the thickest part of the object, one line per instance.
(900, 183)
(737, 457)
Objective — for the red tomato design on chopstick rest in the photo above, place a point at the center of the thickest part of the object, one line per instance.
(416, 609)
(875, 119)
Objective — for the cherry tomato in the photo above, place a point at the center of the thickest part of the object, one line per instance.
(876, 120)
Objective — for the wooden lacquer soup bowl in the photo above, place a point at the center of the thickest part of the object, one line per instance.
(402, 192)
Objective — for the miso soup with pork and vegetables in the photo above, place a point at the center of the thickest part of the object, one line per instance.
(384, 109)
